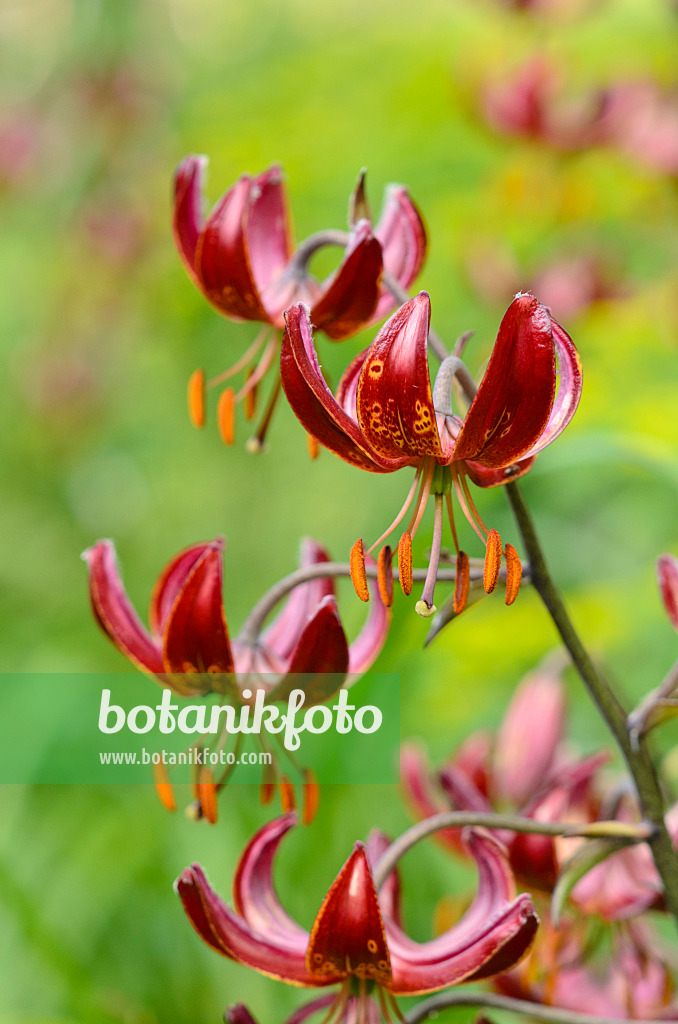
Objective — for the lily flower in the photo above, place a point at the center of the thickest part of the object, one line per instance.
(523, 768)
(356, 940)
(385, 416)
(562, 970)
(188, 648)
(242, 258)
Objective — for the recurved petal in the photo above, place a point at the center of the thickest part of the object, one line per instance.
(196, 636)
(569, 390)
(402, 235)
(502, 426)
(348, 298)
(231, 935)
(187, 220)
(667, 578)
(222, 259)
(284, 632)
(415, 777)
(238, 1014)
(394, 402)
(528, 738)
(313, 403)
(268, 237)
(254, 894)
(170, 582)
(348, 934)
(114, 612)
(493, 934)
(389, 893)
(322, 646)
(483, 476)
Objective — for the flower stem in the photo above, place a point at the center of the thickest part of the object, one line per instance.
(614, 830)
(636, 755)
(551, 1014)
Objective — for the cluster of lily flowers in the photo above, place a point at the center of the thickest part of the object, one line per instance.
(386, 414)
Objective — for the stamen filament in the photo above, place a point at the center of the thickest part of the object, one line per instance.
(241, 363)
(249, 403)
(260, 371)
(450, 516)
(462, 501)
(422, 498)
(471, 503)
(256, 442)
(401, 514)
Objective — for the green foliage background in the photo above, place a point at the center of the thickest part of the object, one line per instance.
(101, 328)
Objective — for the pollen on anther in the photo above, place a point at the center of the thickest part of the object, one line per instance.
(226, 416)
(312, 446)
(163, 787)
(514, 573)
(461, 583)
(358, 574)
(385, 575)
(196, 398)
(405, 563)
(311, 796)
(208, 795)
(249, 402)
(267, 785)
(288, 800)
(492, 561)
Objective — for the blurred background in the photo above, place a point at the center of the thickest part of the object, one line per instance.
(101, 328)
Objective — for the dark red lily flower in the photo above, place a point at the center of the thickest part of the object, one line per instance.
(523, 768)
(642, 120)
(242, 259)
(632, 982)
(667, 578)
(385, 416)
(356, 940)
(188, 648)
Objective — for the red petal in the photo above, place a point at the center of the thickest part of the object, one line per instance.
(527, 740)
(349, 297)
(389, 893)
(313, 403)
(511, 409)
(170, 583)
(284, 632)
(348, 934)
(222, 260)
(196, 637)
(493, 934)
(187, 222)
(569, 391)
(482, 476)
(667, 577)
(395, 404)
(114, 612)
(402, 235)
(230, 934)
(269, 243)
(254, 894)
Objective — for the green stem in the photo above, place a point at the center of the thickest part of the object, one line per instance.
(636, 755)
(552, 1014)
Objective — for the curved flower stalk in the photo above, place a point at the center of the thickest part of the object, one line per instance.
(385, 416)
(562, 969)
(524, 768)
(661, 705)
(242, 258)
(357, 941)
(188, 648)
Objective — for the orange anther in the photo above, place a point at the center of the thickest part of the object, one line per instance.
(226, 415)
(492, 561)
(208, 795)
(385, 575)
(312, 446)
(514, 573)
(287, 798)
(405, 563)
(358, 574)
(267, 785)
(249, 402)
(461, 583)
(163, 787)
(311, 796)
(196, 398)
